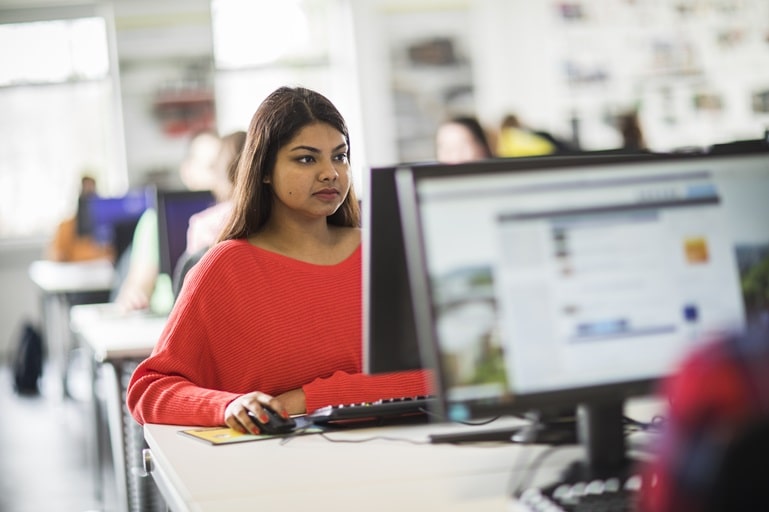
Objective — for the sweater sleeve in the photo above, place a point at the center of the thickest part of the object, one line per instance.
(164, 387)
(176, 384)
(346, 388)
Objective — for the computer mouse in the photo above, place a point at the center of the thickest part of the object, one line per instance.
(277, 424)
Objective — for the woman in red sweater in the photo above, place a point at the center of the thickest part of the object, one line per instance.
(272, 314)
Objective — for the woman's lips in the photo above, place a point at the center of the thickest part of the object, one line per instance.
(327, 193)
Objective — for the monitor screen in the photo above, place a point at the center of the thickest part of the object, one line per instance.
(579, 280)
(111, 220)
(175, 207)
(390, 342)
(389, 330)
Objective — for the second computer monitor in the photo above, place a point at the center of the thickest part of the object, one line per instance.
(111, 220)
(175, 207)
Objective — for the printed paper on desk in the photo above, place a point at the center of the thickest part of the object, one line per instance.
(225, 435)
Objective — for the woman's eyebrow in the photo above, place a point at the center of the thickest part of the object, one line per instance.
(305, 148)
(316, 150)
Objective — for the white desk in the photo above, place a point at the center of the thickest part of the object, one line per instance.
(57, 281)
(309, 472)
(116, 342)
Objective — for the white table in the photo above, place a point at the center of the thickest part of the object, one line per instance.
(313, 473)
(117, 341)
(57, 282)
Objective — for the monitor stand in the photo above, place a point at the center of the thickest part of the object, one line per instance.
(556, 426)
(606, 468)
(600, 429)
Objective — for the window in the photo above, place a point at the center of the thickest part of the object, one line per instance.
(58, 123)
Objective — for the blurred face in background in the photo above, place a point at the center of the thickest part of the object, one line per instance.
(198, 170)
(454, 144)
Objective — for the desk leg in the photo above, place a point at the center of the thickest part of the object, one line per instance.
(113, 387)
(56, 332)
(136, 492)
(96, 445)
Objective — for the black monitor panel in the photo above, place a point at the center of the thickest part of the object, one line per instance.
(175, 207)
(390, 342)
(111, 220)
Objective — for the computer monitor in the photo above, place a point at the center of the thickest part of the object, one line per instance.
(579, 282)
(111, 220)
(175, 207)
(389, 334)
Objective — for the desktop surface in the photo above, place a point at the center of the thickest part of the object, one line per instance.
(382, 468)
(112, 333)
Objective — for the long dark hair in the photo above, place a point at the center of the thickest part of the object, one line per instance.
(277, 120)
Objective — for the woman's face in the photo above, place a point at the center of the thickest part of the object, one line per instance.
(455, 144)
(311, 177)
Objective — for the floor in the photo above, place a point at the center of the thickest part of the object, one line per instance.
(45, 462)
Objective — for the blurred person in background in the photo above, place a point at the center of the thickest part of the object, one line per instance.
(461, 139)
(143, 286)
(629, 125)
(72, 241)
(516, 140)
(206, 226)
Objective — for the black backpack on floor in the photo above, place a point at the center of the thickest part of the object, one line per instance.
(28, 361)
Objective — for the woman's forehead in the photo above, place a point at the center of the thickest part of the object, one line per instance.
(317, 133)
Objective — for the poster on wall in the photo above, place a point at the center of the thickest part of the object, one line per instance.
(681, 64)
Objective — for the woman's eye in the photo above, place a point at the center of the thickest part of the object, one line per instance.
(342, 157)
(305, 159)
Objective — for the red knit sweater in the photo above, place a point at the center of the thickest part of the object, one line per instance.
(251, 320)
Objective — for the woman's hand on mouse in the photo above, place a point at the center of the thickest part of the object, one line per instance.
(236, 414)
(294, 401)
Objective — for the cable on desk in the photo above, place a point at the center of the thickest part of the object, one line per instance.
(657, 424)
(372, 438)
(516, 489)
(469, 423)
(324, 435)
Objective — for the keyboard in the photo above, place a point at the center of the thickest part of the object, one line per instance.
(390, 408)
(610, 495)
